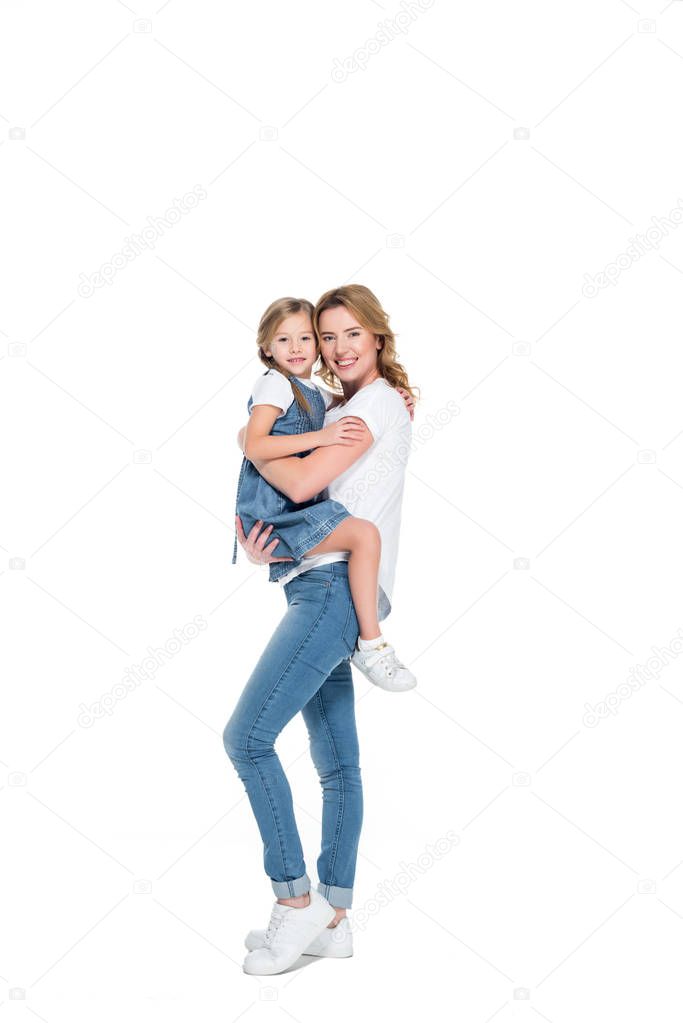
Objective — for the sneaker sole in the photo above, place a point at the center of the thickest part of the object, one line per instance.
(333, 952)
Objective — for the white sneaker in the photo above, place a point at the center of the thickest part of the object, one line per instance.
(289, 934)
(333, 942)
(382, 666)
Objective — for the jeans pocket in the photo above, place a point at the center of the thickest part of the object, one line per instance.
(307, 587)
(314, 576)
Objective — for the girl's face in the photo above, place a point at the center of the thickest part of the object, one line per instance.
(348, 349)
(293, 346)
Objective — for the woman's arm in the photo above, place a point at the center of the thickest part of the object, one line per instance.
(302, 478)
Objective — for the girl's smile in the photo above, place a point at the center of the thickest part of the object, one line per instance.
(293, 348)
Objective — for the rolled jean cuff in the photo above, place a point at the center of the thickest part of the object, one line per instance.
(290, 889)
(341, 898)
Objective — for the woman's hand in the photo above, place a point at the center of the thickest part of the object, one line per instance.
(255, 548)
(348, 430)
(408, 399)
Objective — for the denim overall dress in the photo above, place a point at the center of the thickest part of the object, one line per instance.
(299, 527)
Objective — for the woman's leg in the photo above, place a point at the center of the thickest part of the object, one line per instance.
(306, 647)
(362, 539)
(331, 723)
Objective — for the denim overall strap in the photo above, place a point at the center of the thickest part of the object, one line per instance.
(308, 421)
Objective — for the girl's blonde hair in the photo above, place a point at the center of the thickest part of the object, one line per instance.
(276, 312)
(365, 306)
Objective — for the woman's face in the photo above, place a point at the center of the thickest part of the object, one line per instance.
(348, 349)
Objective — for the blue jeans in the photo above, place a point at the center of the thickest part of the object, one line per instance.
(306, 668)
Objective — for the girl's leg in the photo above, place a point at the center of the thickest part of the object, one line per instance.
(305, 648)
(331, 723)
(362, 539)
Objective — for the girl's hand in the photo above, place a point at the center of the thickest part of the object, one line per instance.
(347, 431)
(256, 552)
(409, 400)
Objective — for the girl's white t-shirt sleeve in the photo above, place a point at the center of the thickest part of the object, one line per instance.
(272, 389)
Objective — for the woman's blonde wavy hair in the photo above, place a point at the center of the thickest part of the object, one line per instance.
(366, 307)
(268, 326)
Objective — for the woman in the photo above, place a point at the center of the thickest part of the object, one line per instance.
(305, 666)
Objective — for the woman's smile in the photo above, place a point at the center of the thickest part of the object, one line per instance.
(348, 348)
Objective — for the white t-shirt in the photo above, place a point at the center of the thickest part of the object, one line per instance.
(273, 388)
(372, 487)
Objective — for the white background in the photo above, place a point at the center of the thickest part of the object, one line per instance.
(132, 867)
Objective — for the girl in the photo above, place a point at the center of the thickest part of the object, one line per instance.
(286, 414)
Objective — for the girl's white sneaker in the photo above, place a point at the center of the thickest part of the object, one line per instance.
(381, 665)
(333, 942)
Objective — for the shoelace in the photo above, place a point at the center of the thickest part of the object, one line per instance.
(374, 656)
(276, 921)
(392, 659)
